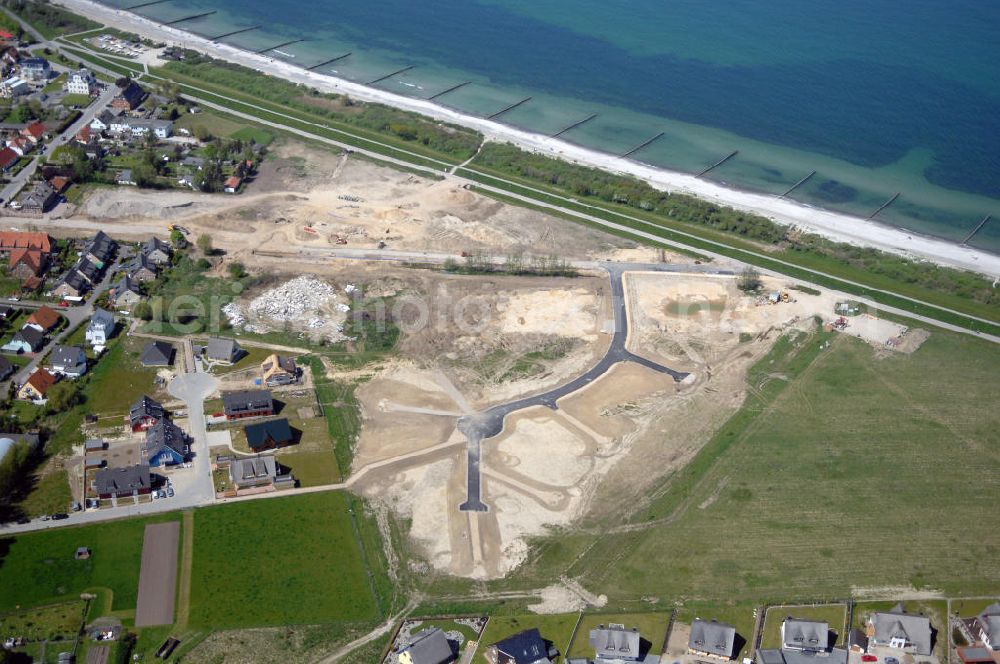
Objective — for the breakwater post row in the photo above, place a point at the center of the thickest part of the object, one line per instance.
(145, 4)
(884, 206)
(574, 125)
(648, 141)
(281, 45)
(191, 18)
(235, 32)
(451, 89)
(719, 163)
(330, 61)
(508, 108)
(797, 185)
(975, 230)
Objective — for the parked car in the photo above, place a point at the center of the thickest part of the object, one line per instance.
(155, 495)
(23, 520)
(46, 517)
(60, 516)
(170, 492)
(76, 506)
(869, 658)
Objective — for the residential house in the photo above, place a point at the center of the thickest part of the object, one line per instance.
(144, 413)
(122, 482)
(157, 251)
(987, 627)
(37, 198)
(101, 328)
(857, 641)
(900, 630)
(36, 70)
(785, 656)
(157, 354)
(129, 97)
(711, 639)
(269, 435)
(43, 319)
(6, 368)
(84, 135)
(15, 86)
(69, 361)
(221, 349)
(525, 647)
(72, 284)
(614, 644)
(141, 269)
(26, 262)
(429, 646)
(7, 159)
(37, 385)
(257, 472)
(90, 270)
(232, 184)
(279, 370)
(158, 128)
(34, 132)
(124, 293)
(247, 403)
(165, 444)
(975, 655)
(102, 121)
(20, 145)
(806, 635)
(81, 82)
(100, 249)
(25, 340)
(13, 240)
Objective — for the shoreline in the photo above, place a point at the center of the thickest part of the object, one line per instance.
(832, 225)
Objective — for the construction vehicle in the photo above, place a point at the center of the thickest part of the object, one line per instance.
(340, 240)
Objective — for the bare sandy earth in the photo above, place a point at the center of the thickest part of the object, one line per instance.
(837, 226)
(158, 574)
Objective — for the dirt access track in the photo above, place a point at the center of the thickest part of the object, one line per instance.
(158, 574)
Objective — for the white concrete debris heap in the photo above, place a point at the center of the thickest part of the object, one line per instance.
(306, 303)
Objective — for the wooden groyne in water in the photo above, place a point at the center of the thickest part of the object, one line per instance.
(719, 163)
(330, 61)
(236, 32)
(648, 141)
(797, 184)
(191, 18)
(884, 205)
(451, 89)
(145, 4)
(281, 45)
(975, 230)
(382, 78)
(509, 108)
(574, 125)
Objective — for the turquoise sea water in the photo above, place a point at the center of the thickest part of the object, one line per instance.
(875, 97)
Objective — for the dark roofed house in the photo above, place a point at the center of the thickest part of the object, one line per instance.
(809, 635)
(987, 626)
(145, 413)
(247, 403)
(269, 435)
(141, 269)
(901, 630)
(129, 97)
(221, 349)
(166, 444)
(25, 340)
(157, 354)
(6, 368)
(69, 361)
(279, 370)
(37, 198)
(157, 251)
(100, 249)
(120, 482)
(614, 643)
(73, 284)
(525, 647)
(429, 646)
(975, 655)
(786, 656)
(857, 641)
(711, 639)
(125, 293)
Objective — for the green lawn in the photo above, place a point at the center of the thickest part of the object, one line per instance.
(652, 628)
(51, 494)
(249, 363)
(891, 448)
(44, 622)
(833, 614)
(118, 379)
(554, 628)
(38, 568)
(214, 123)
(293, 560)
(253, 133)
(77, 100)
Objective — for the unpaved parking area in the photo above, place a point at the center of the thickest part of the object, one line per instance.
(158, 574)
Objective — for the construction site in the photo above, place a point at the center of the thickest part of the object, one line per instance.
(579, 385)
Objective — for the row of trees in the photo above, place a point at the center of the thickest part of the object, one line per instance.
(483, 262)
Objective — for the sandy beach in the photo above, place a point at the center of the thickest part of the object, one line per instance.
(829, 224)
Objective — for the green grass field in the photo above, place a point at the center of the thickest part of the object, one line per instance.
(833, 614)
(38, 568)
(555, 628)
(44, 622)
(846, 476)
(119, 367)
(652, 628)
(279, 561)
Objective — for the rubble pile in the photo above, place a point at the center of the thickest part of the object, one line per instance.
(305, 303)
